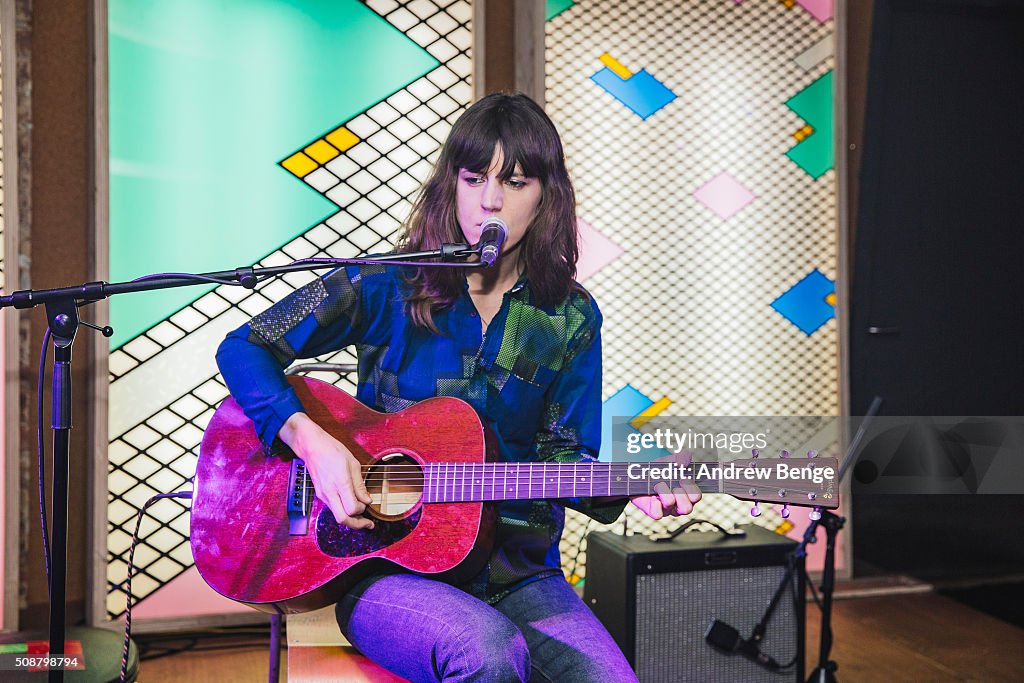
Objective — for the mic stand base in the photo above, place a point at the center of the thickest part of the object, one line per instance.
(825, 671)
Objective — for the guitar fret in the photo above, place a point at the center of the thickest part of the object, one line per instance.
(437, 481)
(426, 484)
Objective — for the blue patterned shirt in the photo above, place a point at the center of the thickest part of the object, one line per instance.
(534, 377)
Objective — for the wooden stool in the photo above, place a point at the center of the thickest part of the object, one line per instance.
(318, 653)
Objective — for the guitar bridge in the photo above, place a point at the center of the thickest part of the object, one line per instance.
(300, 498)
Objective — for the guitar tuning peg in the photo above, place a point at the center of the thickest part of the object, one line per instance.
(754, 452)
(785, 511)
(784, 453)
(815, 514)
(812, 454)
(755, 511)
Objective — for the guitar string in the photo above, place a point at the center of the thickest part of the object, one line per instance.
(459, 471)
(602, 481)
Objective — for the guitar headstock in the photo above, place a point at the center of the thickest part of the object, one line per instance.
(802, 482)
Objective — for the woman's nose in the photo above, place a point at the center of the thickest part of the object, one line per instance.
(492, 197)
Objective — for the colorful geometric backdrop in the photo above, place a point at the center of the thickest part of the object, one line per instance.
(699, 135)
(700, 139)
(246, 132)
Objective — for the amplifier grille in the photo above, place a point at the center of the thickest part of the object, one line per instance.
(673, 610)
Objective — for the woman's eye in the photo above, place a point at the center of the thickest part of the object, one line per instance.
(474, 179)
(516, 184)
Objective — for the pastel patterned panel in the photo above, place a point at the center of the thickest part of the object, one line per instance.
(700, 138)
(338, 162)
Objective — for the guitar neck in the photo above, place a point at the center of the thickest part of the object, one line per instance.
(465, 482)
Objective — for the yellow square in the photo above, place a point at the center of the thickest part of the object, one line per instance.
(321, 151)
(299, 164)
(342, 138)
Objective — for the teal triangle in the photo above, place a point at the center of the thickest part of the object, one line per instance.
(816, 153)
(205, 99)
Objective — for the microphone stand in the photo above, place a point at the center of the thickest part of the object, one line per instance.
(825, 671)
(62, 306)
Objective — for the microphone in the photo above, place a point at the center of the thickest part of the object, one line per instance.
(724, 637)
(493, 232)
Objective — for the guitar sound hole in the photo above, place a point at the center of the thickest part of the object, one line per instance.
(395, 484)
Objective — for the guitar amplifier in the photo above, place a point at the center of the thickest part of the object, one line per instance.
(658, 599)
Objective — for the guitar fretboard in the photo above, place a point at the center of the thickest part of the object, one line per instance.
(465, 482)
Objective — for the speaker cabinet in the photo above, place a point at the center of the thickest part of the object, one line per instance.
(658, 599)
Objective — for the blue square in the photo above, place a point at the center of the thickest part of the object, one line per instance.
(641, 92)
(804, 303)
(626, 402)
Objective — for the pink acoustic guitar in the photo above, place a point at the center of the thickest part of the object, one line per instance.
(260, 536)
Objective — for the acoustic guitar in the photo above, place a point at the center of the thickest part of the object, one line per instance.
(260, 535)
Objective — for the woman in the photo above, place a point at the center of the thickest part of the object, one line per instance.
(518, 341)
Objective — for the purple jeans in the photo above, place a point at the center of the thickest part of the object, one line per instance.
(424, 630)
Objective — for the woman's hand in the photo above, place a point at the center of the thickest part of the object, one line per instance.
(675, 501)
(336, 474)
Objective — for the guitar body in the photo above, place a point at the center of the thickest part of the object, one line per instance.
(246, 547)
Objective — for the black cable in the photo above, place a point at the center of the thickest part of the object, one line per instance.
(188, 276)
(239, 631)
(41, 457)
(814, 592)
(158, 645)
(158, 653)
(128, 581)
(796, 609)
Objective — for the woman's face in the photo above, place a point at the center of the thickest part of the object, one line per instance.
(479, 196)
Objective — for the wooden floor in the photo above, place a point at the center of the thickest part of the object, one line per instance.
(922, 637)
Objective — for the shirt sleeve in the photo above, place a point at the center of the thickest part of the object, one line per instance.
(571, 428)
(323, 316)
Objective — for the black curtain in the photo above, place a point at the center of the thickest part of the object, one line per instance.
(937, 310)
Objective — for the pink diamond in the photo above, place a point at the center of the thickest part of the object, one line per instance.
(596, 251)
(822, 10)
(724, 195)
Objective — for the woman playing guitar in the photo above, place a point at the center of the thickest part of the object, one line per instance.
(519, 342)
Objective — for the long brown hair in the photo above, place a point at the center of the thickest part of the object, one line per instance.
(549, 250)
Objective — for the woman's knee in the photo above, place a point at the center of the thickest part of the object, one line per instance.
(490, 649)
(425, 630)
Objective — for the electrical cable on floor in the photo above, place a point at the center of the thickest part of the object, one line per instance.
(131, 567)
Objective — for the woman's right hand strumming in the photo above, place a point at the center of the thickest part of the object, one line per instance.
(336, 474)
